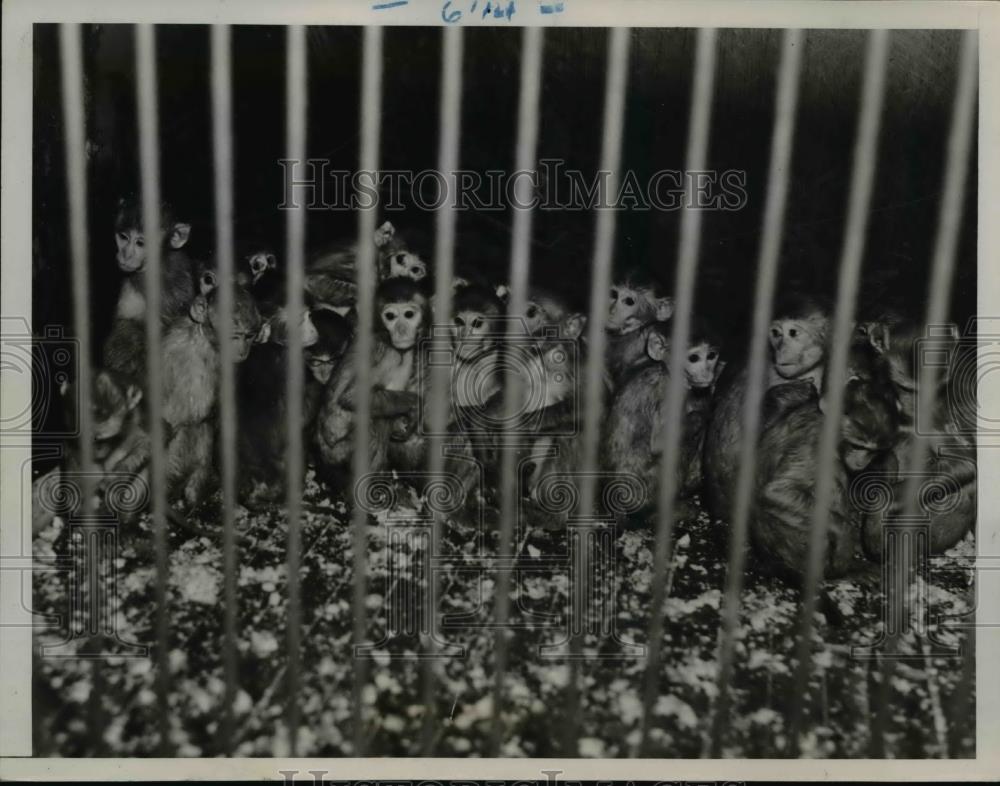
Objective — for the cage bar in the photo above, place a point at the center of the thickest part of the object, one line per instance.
(789, 71)
(444, 266)
(520, 274)
(371, 122)
(862, 177)
(149, 168)
(684, 292)
(619, 40)
(222, 151)
(939, 289)
(296, 141)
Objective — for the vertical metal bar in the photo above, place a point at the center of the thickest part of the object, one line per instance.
(149, 163)
(371, 128)
(619, 39)
(520, 270)
(862, 177)
(444, 264)
(76, 177)
(789, 70)
(222, 146)
(296, 141)
(687, 266)
(938, 302)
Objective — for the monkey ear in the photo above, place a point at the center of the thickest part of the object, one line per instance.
(657, 346)
(878, 337)
(199, 309)
(263, 334)
(574, 325)
(384, 234)
(133, 395)
(180, 233)
(664, 308)
(458, 282)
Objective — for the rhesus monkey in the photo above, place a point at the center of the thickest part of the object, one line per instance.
(191, 368)
(544, 309)
(635, 432)
(636, 303)
(548, 417)
(798, 345)
(781, 517)
(121, 452)
(402, 315)
(948, 437)
(257, 270)
(331, 275)
(179, 274)
(477, 314)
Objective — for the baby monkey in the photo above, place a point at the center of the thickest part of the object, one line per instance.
(635, 429)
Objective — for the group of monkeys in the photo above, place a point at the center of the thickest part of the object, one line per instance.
(546, 347)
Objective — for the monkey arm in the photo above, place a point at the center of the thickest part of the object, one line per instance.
(384, 403)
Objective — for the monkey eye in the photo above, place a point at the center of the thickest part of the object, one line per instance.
(532, 312)
(409, 313)
(614, 294)
(140, 241)
(775, 333)
(459, 321)
(693, 358)
(123, 237)
(416, 270)
(792, 332)
(477, 322)
(629, 301)
(713, 355)
(400, 259)
(389, 316)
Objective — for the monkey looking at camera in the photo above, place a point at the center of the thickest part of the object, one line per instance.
(798, 346)
(402, 315)
(178, 272)
(636, 303)
(635, 432)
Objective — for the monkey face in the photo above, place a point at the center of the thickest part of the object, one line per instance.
(701, 366)
(473, 334)
(403, 322)
(320, 365)
(406, 265)
(260, 262)
(796, 346)
(131, 245)
(626, 311)
(540, 313)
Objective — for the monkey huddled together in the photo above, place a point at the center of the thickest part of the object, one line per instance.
(544, 349)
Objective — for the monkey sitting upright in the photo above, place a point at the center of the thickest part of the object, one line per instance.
(781, 516)
(635, 432)
(402, 314)
(636, 305)
(191, 367)
(178, 272)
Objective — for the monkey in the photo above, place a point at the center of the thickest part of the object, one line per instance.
(798, 347)
(948, 437)
(179, 273)
(121, 453)
(543, 309)
(402, 309)
(636, 303)
(258, 270)
(782, 510)
(262, 437)
(191, 367)
(635, 433)
(331, 274)
(333, 336)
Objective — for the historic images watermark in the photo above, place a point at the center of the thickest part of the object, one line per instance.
(315, 185)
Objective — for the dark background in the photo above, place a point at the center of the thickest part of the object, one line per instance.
(920, 90)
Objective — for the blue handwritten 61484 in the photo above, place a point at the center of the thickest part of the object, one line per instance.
(452, 11)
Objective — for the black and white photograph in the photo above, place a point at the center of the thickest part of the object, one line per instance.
(499, 386)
